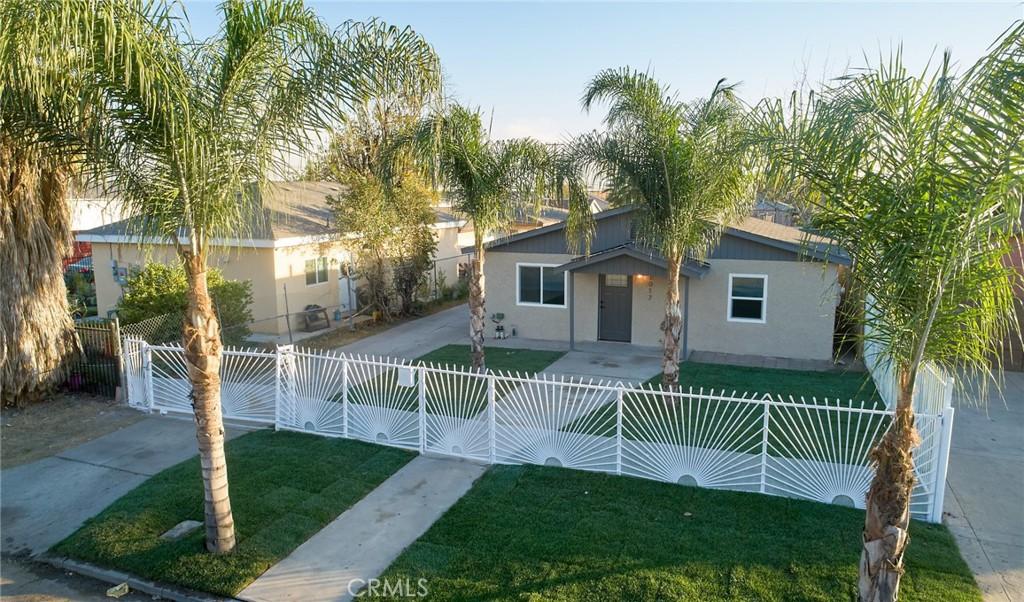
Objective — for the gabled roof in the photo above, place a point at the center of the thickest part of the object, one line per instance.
(293, 210)
(786, 238)
(690, 268)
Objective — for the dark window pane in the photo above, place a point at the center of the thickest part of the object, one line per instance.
(321, 272)
(529, 284)
(748, 287)
(310, 271)
(554, 288)
(748, 309)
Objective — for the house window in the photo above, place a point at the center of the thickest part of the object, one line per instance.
(748, 295)
(540, 285)
(316, 271)
(619, 280)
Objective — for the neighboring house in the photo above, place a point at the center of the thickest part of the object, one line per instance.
(294, 259)
(776, 212)
(766, 289)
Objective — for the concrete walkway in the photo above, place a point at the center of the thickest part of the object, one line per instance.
(43, 502)
(594, 360)
(360, 544)
(984, 503)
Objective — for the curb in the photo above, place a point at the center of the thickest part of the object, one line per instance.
(135, 583)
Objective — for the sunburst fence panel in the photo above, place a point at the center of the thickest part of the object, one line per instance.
(796, 447)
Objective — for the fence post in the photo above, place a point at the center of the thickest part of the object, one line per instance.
(422, 385)
(490, 416)
(618, 430)
(147, 371)
(277, 387)
(943, 465)
(765, 423)
(344, 396)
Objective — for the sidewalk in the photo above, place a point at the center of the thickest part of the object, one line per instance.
(985, 489)
(45, 501)
(360, 544)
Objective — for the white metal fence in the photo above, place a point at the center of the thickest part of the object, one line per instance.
(813, 449)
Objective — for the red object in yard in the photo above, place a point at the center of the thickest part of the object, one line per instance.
(79, 251)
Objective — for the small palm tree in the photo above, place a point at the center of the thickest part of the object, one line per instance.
(682, 164)
(186, 131)
(489, 181)
(920, 179)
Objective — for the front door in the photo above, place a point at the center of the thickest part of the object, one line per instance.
(615, 308)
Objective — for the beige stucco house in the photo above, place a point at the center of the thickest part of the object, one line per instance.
(766, 289)
(297, 259)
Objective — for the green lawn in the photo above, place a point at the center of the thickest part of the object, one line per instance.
(284, 488)
(498, 358)
(540, 533)
(844, 386)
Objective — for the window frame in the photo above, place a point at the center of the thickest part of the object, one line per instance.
(764, 300)
(316, 271)
(565, 286)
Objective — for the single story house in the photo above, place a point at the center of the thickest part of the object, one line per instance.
(296, 259)
(766, 289)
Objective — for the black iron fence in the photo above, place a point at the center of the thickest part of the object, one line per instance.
(97, 369)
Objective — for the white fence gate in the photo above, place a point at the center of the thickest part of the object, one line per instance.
(813, 449)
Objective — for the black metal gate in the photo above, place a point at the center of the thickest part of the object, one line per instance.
(97, 369)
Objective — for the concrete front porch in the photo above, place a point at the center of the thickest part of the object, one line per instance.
(597, 360)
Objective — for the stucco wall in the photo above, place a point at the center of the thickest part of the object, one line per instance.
(290, 272)
(236, 264)
(799, 315)
(537, 322)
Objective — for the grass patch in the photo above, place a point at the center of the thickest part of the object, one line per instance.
(844, 386)
(539, 533)
(502, 359)
(284, 488)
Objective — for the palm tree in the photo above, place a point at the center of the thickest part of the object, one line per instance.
(43, 115)
(682, 164)
(489, 182)
(188, 130)
(920, 179)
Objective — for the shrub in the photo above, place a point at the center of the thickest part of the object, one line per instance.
(159, 290)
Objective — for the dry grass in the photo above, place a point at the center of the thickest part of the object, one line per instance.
(61, 422)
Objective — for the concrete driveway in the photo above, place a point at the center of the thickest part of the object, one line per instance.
(412, 339)
(984, 503)
(43, 502)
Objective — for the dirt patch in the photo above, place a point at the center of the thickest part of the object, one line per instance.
(63, 421)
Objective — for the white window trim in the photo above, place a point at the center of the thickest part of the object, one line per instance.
(326, 279)
(565, 286)
(764, 300)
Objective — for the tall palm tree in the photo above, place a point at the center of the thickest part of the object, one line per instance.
(489, 182)
(683, 164)
(187, 131)
(920, 179)
(44, 111)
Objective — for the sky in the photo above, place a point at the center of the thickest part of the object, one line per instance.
(528, 62)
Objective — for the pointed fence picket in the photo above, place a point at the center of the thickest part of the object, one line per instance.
(811, 449)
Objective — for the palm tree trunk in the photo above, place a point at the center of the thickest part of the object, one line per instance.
(37, 334)
(671, 327)
(887, 515)
(477, 316)
(202, 358)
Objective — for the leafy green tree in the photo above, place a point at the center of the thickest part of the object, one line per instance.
(162, 290)
(920, 179)
(487, 180)
(684, 165)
